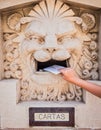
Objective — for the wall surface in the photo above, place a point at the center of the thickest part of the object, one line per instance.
(93, 3)
(13, 115)
(9, 3)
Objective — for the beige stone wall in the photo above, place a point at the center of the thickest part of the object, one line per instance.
(7, 3)
(100, 47)
(18, 63)
(93, 3)
(1, 50)
(12, 115)
(11, 3)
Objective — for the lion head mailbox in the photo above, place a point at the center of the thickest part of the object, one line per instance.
(49, 34)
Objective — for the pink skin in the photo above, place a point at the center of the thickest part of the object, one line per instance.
(70, 75)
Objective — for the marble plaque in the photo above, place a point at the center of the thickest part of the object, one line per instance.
(51, 116)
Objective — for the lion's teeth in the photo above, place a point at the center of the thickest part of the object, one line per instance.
(41, 70)
(67, 63)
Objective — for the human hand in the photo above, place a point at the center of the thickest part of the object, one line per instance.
(69, 74)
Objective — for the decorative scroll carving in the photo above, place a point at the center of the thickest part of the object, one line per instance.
(50, 34)
(89, 20)
(13, 20)
(12, 64)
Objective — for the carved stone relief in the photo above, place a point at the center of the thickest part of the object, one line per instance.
(50, 34)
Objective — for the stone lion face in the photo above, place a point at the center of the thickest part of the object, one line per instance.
(52, 42)
(46, 44)
(50, 34)
(49, 40)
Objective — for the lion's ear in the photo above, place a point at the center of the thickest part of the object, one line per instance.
(89, 20)
(13, 20)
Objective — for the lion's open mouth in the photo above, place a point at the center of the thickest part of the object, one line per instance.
(41, 65)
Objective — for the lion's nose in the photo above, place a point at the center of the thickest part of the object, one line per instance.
(51, 50)
(50, 43)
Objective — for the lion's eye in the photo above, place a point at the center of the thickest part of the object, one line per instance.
(41, 40)
(34, 38)
(30, 38)
(38, 39)
(60, 40)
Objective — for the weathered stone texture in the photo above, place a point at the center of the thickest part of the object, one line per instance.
(1, 50)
